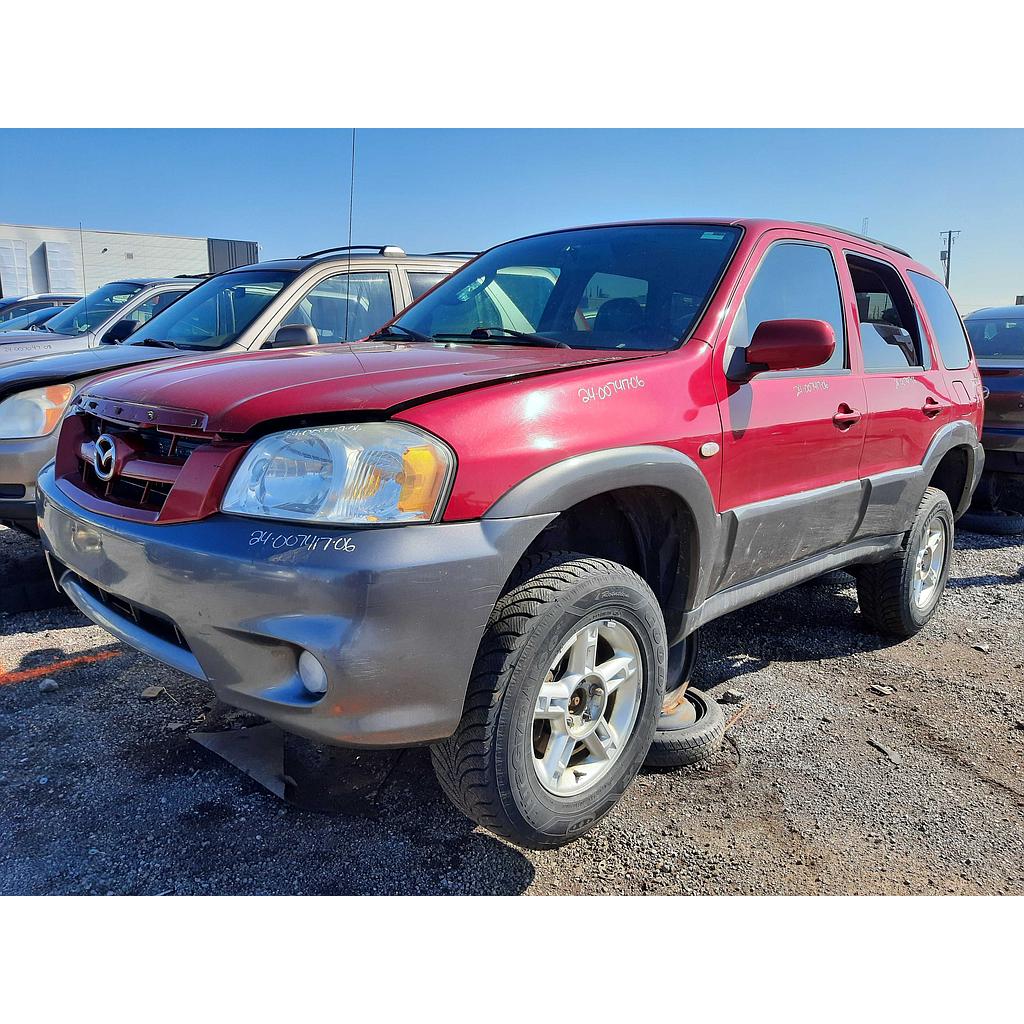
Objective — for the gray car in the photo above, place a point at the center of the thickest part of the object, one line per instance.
(12, 308)
(332, 295)
(108, 315)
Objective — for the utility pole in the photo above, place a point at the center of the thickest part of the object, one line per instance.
(946, 254)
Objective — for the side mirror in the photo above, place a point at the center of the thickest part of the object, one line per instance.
(294, 336)
(790, 345)
(121, 331)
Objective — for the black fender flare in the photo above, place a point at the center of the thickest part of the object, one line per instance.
(559, 487)
(958, 434)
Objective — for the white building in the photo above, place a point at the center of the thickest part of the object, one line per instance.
(73, 261)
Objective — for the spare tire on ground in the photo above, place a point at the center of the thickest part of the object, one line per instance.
(691, 733)
(1002, 522)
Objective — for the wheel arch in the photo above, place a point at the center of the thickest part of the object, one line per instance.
(953, 464)
(617, 504)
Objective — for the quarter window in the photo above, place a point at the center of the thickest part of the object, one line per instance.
(795, 281)
(890, 336)
(946, 325)
(421, 282)
(345, 307)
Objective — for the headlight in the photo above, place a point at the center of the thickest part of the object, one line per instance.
(34, 413)
(355, 473)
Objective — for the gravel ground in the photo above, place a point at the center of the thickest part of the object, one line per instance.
(101, 791)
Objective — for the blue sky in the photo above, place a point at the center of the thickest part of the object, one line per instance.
(425, 189)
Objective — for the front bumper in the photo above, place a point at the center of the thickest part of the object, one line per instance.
(21, 460)
(394, 615)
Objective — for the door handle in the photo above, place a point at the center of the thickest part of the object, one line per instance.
(932, 408)
(846, 417)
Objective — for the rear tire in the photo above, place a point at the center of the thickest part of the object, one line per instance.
(899, 596)
(576, 648)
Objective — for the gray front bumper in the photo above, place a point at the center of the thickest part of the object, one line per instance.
(395, 615)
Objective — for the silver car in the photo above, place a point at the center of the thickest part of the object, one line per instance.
(106, 316)
(328, 296)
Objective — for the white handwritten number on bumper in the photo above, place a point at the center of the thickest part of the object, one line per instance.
(308, 541)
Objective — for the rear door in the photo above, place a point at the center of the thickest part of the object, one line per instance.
(792, 440)
(908, 396)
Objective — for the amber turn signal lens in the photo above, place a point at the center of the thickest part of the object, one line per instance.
(421, 479)
(55, 401)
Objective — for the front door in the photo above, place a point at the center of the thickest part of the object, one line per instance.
(792, 440)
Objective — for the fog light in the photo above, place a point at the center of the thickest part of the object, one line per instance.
(312, 673)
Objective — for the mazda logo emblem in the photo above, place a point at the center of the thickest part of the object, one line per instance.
(104, 457)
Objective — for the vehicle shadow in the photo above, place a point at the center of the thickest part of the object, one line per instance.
(817, 621)
(25, 583)
(990, 580)
(376, 822)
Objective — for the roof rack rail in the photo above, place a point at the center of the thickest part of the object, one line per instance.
(857, 234)
(380, 250)
(198, 277)
(454, 252)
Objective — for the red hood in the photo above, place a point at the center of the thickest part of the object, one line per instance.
(236, 393)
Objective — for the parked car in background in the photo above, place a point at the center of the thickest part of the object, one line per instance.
(336, 295)
(30, 321)
(108, 315)
(997, 336)
(12, 308)
(486, 527)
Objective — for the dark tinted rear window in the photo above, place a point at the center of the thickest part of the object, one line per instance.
(998, 337)
(945, 320)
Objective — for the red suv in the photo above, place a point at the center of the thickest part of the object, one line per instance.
(490, 526)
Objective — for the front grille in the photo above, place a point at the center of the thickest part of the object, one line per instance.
(146, 479)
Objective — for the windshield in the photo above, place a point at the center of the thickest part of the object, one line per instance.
(628, 287)
(15, 311)
(997, 337)
(97, 307)
(26, 320)
(216, 312)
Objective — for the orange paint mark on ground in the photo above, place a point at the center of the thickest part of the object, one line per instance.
(56, 666)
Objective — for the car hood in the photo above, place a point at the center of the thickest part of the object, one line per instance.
(235, 394)
(12, 337)
(57, 368)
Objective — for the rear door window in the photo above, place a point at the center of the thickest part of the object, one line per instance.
(890, 335)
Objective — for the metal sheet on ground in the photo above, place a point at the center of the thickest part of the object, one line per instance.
(257, 750)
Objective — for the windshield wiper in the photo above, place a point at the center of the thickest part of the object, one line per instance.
(484, 334)
(155, 342)
(397, 331)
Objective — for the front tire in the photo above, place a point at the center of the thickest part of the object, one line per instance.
(899, 596)
(563, 701)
